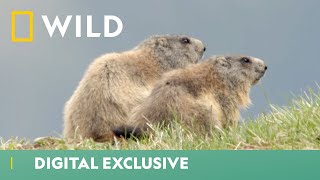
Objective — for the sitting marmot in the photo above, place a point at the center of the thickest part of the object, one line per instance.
(117, 82)
(202, 95)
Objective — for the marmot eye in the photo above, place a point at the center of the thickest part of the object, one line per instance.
(185, 40)
(245, 60)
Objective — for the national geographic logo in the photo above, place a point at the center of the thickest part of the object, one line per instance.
(62, 27)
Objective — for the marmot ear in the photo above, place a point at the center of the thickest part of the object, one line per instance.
(223, 62)
(162, 42)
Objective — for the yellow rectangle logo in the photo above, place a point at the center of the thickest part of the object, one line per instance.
(13, 26)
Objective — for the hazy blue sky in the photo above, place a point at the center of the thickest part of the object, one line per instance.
(37, 78)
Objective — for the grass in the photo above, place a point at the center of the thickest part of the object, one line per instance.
(296, 126)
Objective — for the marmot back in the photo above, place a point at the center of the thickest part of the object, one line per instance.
(117, 82)
(201, 96)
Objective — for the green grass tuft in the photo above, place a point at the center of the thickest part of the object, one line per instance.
(296, 126)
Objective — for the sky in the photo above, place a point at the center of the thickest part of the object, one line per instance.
(38, 77)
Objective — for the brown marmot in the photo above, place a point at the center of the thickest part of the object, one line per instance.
(116, 82)
(203, 95)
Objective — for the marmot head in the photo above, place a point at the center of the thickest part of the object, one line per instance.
(240, 69)
(174, 51)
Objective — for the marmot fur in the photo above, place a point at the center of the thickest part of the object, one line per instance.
(203, 95)
(117, 82)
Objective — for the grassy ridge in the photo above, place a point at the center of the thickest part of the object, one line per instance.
(296, 126)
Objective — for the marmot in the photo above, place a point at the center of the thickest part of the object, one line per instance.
(116, 82)
(203, 95)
